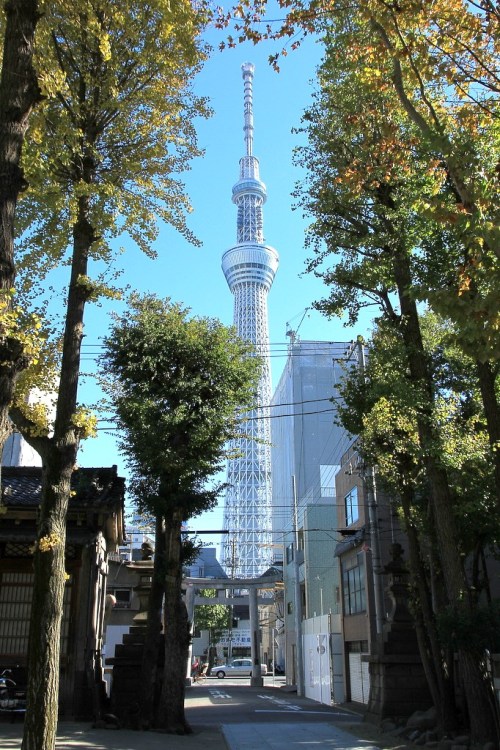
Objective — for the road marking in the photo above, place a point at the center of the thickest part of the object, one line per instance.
(218, 694)
(287, 706)
(281, 701)
(291, 710)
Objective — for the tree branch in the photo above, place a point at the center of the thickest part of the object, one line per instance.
(26, 427)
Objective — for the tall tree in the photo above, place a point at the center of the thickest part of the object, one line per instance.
(439, 60)
(19, 92)
(379, 407)
(104, 151)
(369, 174)
(215, 618)
(177, 384)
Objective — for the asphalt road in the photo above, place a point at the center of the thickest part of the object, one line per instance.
(234, 701)
(228, 715)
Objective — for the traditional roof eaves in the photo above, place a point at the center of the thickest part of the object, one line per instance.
(355, 540)
(95, 488)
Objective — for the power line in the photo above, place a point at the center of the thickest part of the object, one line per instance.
(274, 351)
(253, 419)
(322, 345)
(294, 414)
(268, 406)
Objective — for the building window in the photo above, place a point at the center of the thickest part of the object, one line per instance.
(303, 598)
(300, 539)
(357, 647)
(327, 474)
(122, 597)
(351, 507)
(353, 581)
(289, 554)
(289, 608)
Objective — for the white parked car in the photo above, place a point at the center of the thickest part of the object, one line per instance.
(237, 668)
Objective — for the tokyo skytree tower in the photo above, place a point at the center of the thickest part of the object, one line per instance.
(249, 268)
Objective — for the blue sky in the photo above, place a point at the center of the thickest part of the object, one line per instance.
(192, 275)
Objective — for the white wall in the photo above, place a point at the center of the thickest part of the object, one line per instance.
(113, 635)
(323, 659)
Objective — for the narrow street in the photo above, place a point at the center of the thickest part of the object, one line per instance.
(234, 701)
(231, 715)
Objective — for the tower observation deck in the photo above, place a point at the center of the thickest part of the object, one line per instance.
(249, 268)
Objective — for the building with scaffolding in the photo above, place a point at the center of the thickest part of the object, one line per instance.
(307, 448)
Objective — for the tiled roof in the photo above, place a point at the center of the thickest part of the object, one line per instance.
(22, 485)
(275, 569)
(21, 488)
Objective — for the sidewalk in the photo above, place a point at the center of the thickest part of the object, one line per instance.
(76, 736)
(263, 736)
(306, 736)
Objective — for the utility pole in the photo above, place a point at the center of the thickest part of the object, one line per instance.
(232, 567)
(299, 659)
(371, 499)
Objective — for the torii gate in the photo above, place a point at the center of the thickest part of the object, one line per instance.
(252, 585)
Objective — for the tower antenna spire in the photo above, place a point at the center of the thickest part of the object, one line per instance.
(248, 71)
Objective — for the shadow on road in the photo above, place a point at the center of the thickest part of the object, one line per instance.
(76, 736)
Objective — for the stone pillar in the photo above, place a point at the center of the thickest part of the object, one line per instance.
(127, 659)
(398, 685)
(256, 679)
(189, 602)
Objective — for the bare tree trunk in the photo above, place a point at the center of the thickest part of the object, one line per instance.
(479, 692)
(151, 653)
(171, 714)
(19, 92)
(436, 671)
(48, 590)
(59, 459)
(483, 722)
(488, 377)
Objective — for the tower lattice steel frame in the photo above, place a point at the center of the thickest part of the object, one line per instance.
(249, 268)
